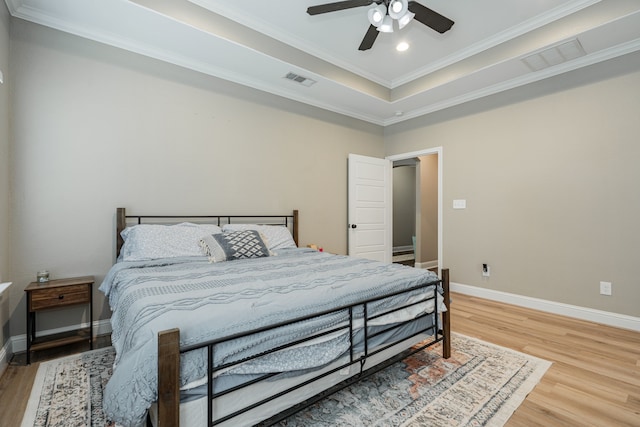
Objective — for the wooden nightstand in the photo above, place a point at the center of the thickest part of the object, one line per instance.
(58, 294)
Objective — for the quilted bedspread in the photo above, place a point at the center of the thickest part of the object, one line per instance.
(213, 300)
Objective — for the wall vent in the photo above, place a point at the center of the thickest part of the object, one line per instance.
(554, 55)
(305, 81)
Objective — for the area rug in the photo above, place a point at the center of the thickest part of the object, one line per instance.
(480, 385)
(68, 391)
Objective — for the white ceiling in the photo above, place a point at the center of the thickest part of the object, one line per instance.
(257, 42)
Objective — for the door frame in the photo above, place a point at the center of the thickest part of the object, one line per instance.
(425, 152)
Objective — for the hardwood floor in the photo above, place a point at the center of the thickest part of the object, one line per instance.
(594, 379)
(595, 376)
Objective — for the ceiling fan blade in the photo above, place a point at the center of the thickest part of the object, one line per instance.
(369, 38)
(430, 18)
(340, 5)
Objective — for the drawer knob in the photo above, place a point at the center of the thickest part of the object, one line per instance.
(60, 296)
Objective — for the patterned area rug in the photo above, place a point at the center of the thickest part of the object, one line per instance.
(68, 391)
(480, 385)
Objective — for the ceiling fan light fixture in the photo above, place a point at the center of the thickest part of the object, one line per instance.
(387, 25)
(382, 13)
(405, 19)
(397, 8)
(377, 15)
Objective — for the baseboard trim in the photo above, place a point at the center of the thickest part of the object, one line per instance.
(583, 313)
(427, 265)
(100, 327)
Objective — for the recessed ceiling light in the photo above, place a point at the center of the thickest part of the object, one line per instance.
(402, 46)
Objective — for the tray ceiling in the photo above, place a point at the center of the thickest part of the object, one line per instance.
(258, 43)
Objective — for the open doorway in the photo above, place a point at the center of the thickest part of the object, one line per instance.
(417, 199)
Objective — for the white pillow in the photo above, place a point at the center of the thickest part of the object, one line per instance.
(277, 236)
(151, 241)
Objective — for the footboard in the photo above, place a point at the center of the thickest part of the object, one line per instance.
(169, 359)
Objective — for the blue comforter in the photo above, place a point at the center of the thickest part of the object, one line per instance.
(208, 301)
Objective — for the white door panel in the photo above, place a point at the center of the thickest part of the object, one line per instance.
(372, 171)
(370, 239)
(370, 207)
(365, 193)
(369, 216)
(374, 255)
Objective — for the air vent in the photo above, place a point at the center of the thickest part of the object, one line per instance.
(305, 81)
(554, 55)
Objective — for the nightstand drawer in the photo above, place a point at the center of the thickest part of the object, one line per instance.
(59, 297)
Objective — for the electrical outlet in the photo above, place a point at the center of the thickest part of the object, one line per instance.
(605, 288)
(486, 270)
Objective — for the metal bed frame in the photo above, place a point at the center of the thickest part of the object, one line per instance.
(288, 220)
(169, 349)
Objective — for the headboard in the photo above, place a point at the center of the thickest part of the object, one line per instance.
(123, 220)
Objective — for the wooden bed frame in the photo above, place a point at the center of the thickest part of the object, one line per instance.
(169, 350)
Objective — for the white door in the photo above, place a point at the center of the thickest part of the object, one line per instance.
(370, 207)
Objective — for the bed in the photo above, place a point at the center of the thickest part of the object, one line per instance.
(204, 336)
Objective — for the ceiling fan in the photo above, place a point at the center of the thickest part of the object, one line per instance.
(382, 15)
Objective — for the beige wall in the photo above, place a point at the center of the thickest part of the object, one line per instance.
(4, 169)
(550, 174)
(96, 128)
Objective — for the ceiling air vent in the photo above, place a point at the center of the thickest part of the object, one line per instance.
(305, 81)
(554, 55)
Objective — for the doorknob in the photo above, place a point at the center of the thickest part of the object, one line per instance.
(353, 226)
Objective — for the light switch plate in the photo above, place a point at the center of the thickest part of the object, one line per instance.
(460, 204)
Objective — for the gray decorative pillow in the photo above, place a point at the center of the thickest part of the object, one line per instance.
(234, 245)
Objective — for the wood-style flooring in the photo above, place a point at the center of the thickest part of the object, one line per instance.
(594, 379)
(595, 376)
